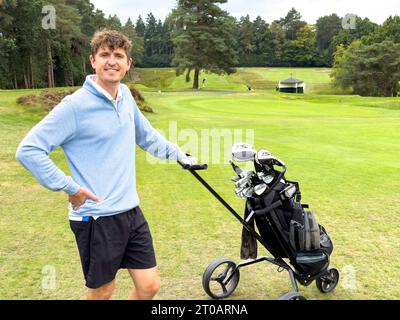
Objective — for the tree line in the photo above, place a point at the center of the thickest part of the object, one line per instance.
(34, 55)
(370, 65)
(196, 35)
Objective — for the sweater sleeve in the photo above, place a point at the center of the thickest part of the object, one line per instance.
(57, 128)
(150, 140)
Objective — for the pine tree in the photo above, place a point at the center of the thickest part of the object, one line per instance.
(8, 48)
(370, 70)
(203, 38)
(327, 28)
(137, 42)
(278, 43)
(140, 27)
(149, 35)
(292, 23)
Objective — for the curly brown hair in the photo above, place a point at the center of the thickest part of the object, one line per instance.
(110, 39)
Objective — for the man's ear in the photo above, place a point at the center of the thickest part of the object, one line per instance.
(91, 58)
(130, 61)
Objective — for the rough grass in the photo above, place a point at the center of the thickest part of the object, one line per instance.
(343, 150)
(47, 99)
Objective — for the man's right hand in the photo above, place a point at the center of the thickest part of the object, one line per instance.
(188, 160)
(80, 198)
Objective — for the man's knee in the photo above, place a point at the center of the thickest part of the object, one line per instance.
(146, 281)
(149, 289)
(102, 293)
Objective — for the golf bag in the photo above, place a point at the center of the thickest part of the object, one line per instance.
(288, 229)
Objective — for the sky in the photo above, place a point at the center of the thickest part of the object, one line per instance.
(269, 10)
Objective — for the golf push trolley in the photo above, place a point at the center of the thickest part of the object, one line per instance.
(286, 228)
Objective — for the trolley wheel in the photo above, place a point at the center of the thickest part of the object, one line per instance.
(216, 274)
(328, 282)
(292, 295)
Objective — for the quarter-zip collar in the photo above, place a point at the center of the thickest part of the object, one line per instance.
(93, 87)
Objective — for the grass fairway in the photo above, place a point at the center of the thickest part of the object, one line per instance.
(344, 151)
(317, 79)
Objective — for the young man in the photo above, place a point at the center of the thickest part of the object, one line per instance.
(98, 127)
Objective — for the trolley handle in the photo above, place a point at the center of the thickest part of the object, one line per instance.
(194, 167)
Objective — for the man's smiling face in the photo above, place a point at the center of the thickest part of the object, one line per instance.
(110, 64)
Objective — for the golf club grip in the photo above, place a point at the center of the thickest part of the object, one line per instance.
(195, 167)
(274, 205)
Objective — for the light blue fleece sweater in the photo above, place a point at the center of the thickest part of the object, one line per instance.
(98, 140)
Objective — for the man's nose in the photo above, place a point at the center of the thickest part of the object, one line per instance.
(111, 60)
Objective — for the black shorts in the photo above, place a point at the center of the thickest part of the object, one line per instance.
(113, 242)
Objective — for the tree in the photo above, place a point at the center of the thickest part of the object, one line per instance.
(114, 23)
(246, 42)
(91, 21)
(389, 30)
(137, 42)
(363, 27)
(167, 45)
(24, 33)
(149, 35)
(291, 24)
(140, 27)
(246, 35)
(303, 51)
(278, 43)
(7, 45)
(203, 38)
(263, 42)
(70, 40)
(32, 56)
(327, 28)
(370, 70)
(157, 42)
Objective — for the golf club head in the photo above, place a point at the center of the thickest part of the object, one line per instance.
(260, 188)
(242, 152)
(244, 180)
(267, 178)
(263, 156)
(248, 192)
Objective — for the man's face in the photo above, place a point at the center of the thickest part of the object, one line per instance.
(110, 65)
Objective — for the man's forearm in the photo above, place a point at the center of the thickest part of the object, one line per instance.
(39, 164)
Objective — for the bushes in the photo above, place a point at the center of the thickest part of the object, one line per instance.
(370, 70)
(48, 99)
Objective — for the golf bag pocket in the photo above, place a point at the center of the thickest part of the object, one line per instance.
(311, 231)
(296, 235)
(325, 241)
(304, 237)
(311, 262)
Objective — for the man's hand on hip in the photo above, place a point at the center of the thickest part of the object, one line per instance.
(80, 197)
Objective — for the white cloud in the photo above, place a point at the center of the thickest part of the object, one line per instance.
(133, 8)
(269, 10)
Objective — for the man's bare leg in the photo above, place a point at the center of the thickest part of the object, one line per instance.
(102, 293)
(147, 283)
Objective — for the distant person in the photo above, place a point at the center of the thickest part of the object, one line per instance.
(97, 127)
(248, 87)
(204, 81)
